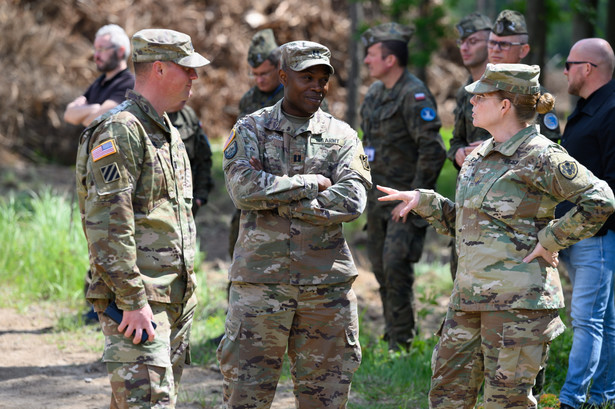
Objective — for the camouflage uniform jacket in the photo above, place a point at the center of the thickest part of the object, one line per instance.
(505, 200)
(135, 191)
(464, 132)
(401, 135)
(290, 233)
(198, 149)
(255, 99)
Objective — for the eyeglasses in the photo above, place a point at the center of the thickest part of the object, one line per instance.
(481, 97)
(470, 41)
(503, 45)
(103, 49)
(567, 64)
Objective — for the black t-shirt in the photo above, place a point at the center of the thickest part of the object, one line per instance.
(589, 137)
(114, 89)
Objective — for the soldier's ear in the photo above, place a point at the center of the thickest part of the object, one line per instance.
(283, 77)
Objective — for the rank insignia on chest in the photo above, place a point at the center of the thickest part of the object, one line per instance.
(103, 150)
(568, 169)
(297, 157)
(110, 173)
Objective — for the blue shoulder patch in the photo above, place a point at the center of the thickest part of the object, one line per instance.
(551, 121)
(428, 114)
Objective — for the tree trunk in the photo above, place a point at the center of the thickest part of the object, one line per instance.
(537, 28)
(583, 21)
(610, 27)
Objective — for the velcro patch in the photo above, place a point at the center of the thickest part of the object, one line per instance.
(103, 150)
(231, 150)
(110, 172)
(428, 114)
(568, 169)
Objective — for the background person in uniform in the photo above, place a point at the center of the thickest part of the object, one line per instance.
(508, 43)
(405, 150)
(474, 32)
(297, 174)
(264, 60)
(135, 194)
(199, 152)
(589, 137)
(111, 50)
(502, 313)
(473, 35)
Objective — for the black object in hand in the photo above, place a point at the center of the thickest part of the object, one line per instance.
(112, 311)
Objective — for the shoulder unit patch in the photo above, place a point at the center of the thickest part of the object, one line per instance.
(568, 169)
(110, 173)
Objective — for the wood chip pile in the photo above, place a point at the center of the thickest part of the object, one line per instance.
(46, 51)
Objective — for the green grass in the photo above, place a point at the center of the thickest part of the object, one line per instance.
(44, 259)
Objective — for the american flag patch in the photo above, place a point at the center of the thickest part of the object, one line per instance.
(102, 150)
(419, 96)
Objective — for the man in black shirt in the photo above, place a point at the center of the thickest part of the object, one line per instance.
(111, 50)
(589, 137)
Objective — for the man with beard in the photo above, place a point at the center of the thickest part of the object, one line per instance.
(111, 50)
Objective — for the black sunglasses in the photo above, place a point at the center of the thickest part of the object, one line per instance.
(567, 64)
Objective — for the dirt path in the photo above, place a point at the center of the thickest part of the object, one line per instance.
(45, 369)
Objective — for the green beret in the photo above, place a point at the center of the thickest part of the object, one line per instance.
(509, 23)
(515, 78)
(151, 45)
(299, 55)
(262, 45)
(386, 32)
(472, 23)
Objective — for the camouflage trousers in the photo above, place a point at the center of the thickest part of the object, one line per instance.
(148, 375)
(503, 349)
(392, 249)
(318, 326)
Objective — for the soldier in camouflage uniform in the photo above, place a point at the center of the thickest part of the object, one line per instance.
(199, 152)
(264, 60)
(135, 194)
(405, 150)
(297, 174)
(473, 35)
(502, 313)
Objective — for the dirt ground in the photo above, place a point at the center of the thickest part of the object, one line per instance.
(44, 368)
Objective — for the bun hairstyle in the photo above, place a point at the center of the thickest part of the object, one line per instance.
(545, 103)
(527, 107)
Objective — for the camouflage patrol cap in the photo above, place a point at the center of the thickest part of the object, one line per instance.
(299, 55)
(509, 23)
(472, 23)
(515, 78)
(262, 45)
(153, 44)
(386, 32)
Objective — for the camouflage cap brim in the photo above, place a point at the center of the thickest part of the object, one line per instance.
(193, 61)
(515, 78)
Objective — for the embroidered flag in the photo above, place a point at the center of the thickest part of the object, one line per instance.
(104, 149)
(419, 96)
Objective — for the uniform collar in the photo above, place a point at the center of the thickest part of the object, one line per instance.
(148, 109)
(278, 122)
(509, 147)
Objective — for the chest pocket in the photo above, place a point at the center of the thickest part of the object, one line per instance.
(274, 156)
(322, 155)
